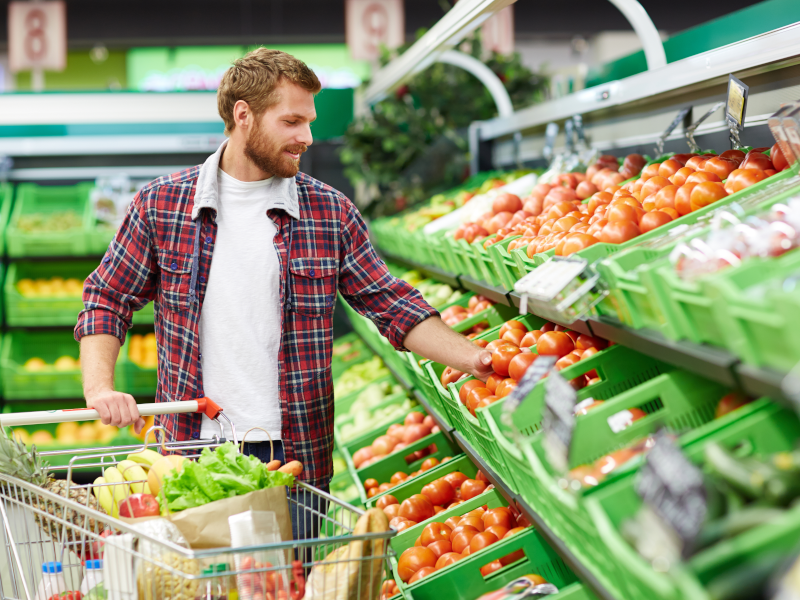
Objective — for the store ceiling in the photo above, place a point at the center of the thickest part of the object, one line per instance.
(126, 23)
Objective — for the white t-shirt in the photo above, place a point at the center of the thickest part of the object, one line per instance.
(240, 321)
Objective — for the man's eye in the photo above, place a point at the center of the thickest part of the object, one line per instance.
(291, 122)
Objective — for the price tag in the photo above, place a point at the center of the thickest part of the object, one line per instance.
(550, 135)
(540, 367)
(620, 421)
(562, 289)
(673, 488)
(693, 127)
(548, 280)
(558, 420)
(663, 138)
(735, 108)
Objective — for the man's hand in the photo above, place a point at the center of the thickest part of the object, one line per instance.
(483, 365)
(116, 409)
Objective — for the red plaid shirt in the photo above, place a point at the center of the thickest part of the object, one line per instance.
(151, 259)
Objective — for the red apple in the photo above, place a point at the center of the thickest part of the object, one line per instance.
(139, 505)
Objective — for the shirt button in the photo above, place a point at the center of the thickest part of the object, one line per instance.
(202, 279)
(196, 435)
(208, 240)
(200, 355)
(174, 265)
(311, 272)
(107, 259)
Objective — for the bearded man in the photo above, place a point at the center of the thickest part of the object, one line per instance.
(243, 256)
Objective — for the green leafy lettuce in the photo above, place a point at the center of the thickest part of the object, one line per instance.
(217, 474)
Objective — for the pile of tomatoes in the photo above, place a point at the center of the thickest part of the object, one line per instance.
(416, 426)
(373, 488)
(453, 315)
(664, 192)
(514, 351)
(442, 544)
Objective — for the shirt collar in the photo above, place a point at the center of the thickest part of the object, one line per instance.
(207, 193)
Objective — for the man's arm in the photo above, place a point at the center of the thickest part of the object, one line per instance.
(98, 356)
(436, 341)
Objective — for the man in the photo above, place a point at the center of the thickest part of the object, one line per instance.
(244, 256)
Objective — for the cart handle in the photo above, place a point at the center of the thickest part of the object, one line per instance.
(202, 405)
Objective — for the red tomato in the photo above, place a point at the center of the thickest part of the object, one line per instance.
(447, 559)
(423, 572)
(702, 177)
(514, 336)
(502, 356)
(385, 501)
(587, 341)
(493, 566)
(460, 541)
(619, 232)
(412, 560)
(777, 157)
(417, 508)
(680, 176)
(668, 168)
(370, 483)
(403, 525)
(498, 530)
(729, 403)
(498, 516)
(650, 171)
(555, 343)
(392, 511)
(697, 162)
(493, 381)
(511, 324)
(470, 521)
(735, 155)
(566, 361)
(511, 558)
(440, 548)
(492, 346)
(721, 167)
(505, 387)
(743, 178)
(450, 375)
(434, 532)
(530, 339)
(520, 363)
(439, 492)
(481, 343)
(455, 479)
(653, 220)
(665, 197)
(480, 541)
(467, 387)
(757, 160)
(476, 395)
(652, 185)
(578, 242)
(705, 194)
(683, 199)
(514, 531)
(427, 465)
(506, 202)
(471, 488)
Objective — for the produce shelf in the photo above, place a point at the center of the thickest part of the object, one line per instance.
(493, 292)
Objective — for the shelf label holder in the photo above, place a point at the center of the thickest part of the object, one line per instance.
(735, 109)
(693, 127)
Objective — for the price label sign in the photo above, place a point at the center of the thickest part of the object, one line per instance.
(540, 367)
(736, 108)
(673, 488)
(558, 420)
(37, 36)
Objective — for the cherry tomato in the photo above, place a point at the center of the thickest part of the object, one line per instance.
(480, 541)
(512, 324)
(471, 488)
(417, 508)
(455, 479)
(502, 357)
(385, 501)
(439, 492)
(520, 363)
(447, 559)
(554, 343)
(467, 387)
(433, 532)
(505, 387)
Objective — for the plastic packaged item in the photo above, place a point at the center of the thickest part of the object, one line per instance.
(92, 576)
(52, 582)
(216, 588)
(164, 574)
(268, 567)
(527, 586)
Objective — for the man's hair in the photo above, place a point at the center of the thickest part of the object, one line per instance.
(255, 78)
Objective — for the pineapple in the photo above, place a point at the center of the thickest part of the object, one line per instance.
(17, 461)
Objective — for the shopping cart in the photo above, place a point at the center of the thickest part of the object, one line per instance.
(141, 560)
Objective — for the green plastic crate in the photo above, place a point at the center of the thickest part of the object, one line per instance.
(357, 353)
(763, 427)
(130, 377)
(6, 204)
(463, 579)
(22, 384)
(400, 399)
(485, 263)
(33, 199)
(504, 265)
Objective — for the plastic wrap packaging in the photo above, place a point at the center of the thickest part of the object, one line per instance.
(159, 570)
(258, 528)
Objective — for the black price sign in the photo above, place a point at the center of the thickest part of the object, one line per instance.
(558, 420)
(736, 108)
(673, 488)
(535, 372)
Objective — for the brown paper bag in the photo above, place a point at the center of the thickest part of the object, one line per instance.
(207, 526)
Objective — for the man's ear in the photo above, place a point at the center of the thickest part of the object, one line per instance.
(241, 114)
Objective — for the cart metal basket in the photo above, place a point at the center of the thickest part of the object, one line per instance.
(41, 526)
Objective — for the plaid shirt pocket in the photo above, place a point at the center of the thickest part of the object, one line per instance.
(313, 285)
(175, 279)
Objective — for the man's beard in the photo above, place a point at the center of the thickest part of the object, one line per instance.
(272, 158)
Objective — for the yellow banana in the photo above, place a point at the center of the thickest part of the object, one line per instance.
(145, 457)
(103, 495)
(134, 472)
(121, 489)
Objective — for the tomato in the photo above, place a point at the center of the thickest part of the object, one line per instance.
(370, 483)
(505, 387)
(392, 511)
(530, 339)
(654, 219)
(666, 196)
(417, 508)
(481, 510)
(650, 171)
(587, 341)
(730, 403)
(423, 572)
(476, 395)
(455, 479)
(440, 548)
(735, 155)
(705, 194)
(566, 223)
(461, 540)
(566, 361)
(721, 167)
(520, 363)
(502, 356)
(652, 185)
(434, 532)
(514, 336)
(480, 541)
(683, 199)
(481, 306)
(498, 516)
(470, 521)
(447, 559)
(427, 465)
(679, 178)
(697, 162)
(778, 158)
(385, 501)
(514, 531)
(506, 202)
(471, 488)
(623, 212)
(404, 524)
(757, 160)
(481, 343)
(743, 178)
(585, 190)
(468, 387)
(439, 492)
(450, 375)
(702, 177)
(619, 232)
(491, 383)
(498, 530)
(511, 324)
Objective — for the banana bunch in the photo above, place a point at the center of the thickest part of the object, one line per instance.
(127, 477)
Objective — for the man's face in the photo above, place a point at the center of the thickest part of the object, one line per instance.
(277, 139)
